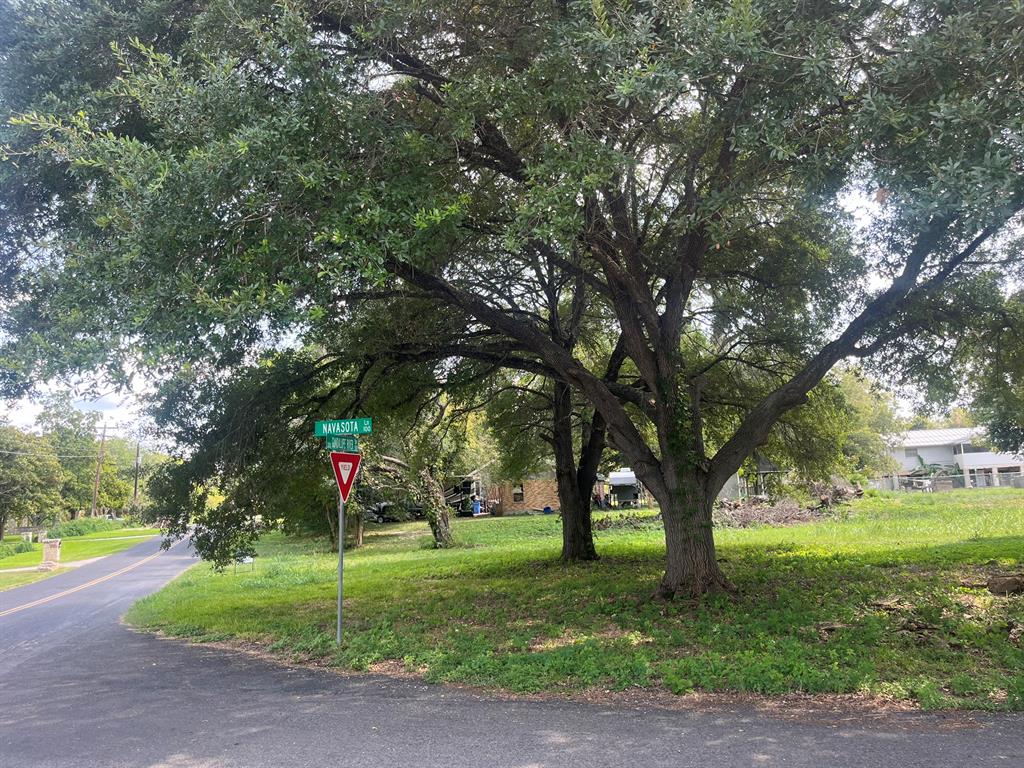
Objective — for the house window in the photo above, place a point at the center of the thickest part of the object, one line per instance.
(910, 453)
(517, 492)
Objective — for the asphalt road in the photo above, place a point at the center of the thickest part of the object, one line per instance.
(77, 689)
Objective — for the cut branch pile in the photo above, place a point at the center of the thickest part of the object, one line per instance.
(628, 521)
(830, 494)
(760, 511)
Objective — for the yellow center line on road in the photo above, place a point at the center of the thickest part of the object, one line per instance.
(80, 587)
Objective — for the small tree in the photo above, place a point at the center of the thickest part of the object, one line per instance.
(430, 450)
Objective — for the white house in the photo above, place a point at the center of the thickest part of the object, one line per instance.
(958, 453)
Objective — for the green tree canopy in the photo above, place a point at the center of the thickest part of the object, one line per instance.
(30, 478)
(681, 167)
(870, 423)
(998, 377)
(248, 454)
(73, 435)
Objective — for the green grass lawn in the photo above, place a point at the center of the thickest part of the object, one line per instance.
(11, 580)
(869, 603)
(82, 547)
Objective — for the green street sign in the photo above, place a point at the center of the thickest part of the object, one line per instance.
(343, 443)
(362, 426)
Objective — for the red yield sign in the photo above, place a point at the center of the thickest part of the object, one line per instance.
(345, 467)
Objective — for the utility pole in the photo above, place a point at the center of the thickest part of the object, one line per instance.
(135, 492)
(99, 469)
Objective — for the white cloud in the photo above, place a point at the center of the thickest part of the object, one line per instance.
(122, 414)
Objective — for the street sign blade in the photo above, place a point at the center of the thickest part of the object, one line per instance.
(345, 466)
(361, 426)
(342, 443)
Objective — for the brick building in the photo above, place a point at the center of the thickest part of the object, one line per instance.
(532, 494)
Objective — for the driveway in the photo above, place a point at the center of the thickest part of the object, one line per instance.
(80, 690)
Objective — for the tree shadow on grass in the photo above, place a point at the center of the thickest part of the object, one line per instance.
(889, 621)
(892, 620)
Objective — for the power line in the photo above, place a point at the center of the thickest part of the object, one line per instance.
(55, 455)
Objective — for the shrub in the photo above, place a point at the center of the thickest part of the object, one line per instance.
(82, 526)
(14, 547)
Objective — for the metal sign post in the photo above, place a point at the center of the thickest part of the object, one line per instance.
(343, 445)
(341, 561)
(346, 466)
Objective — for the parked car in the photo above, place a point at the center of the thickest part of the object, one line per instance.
(389, 512)
(383, 512)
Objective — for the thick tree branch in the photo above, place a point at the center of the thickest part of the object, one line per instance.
(568, 368)
(755, 427)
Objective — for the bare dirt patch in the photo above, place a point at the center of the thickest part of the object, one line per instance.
(396, 669)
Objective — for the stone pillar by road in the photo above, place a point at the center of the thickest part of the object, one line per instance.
(51, 555)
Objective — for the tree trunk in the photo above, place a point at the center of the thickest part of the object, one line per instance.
(353, 528)
(691, 568)
(436, 510)
(577, 531)
(574, 486)
(3, 525)
(332, 526)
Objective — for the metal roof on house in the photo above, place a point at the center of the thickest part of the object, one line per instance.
(923, 438)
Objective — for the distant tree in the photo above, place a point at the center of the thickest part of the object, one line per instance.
(540, 425)
(960, 417)
(954, 418)
(417, 461)
(72, 433)
(117, 476)
(30, 479)
(248, 459)
(978, 360)
(482, 449)
(870, 423)
(250, 437)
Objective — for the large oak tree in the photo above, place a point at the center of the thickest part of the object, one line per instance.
(687, 168)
